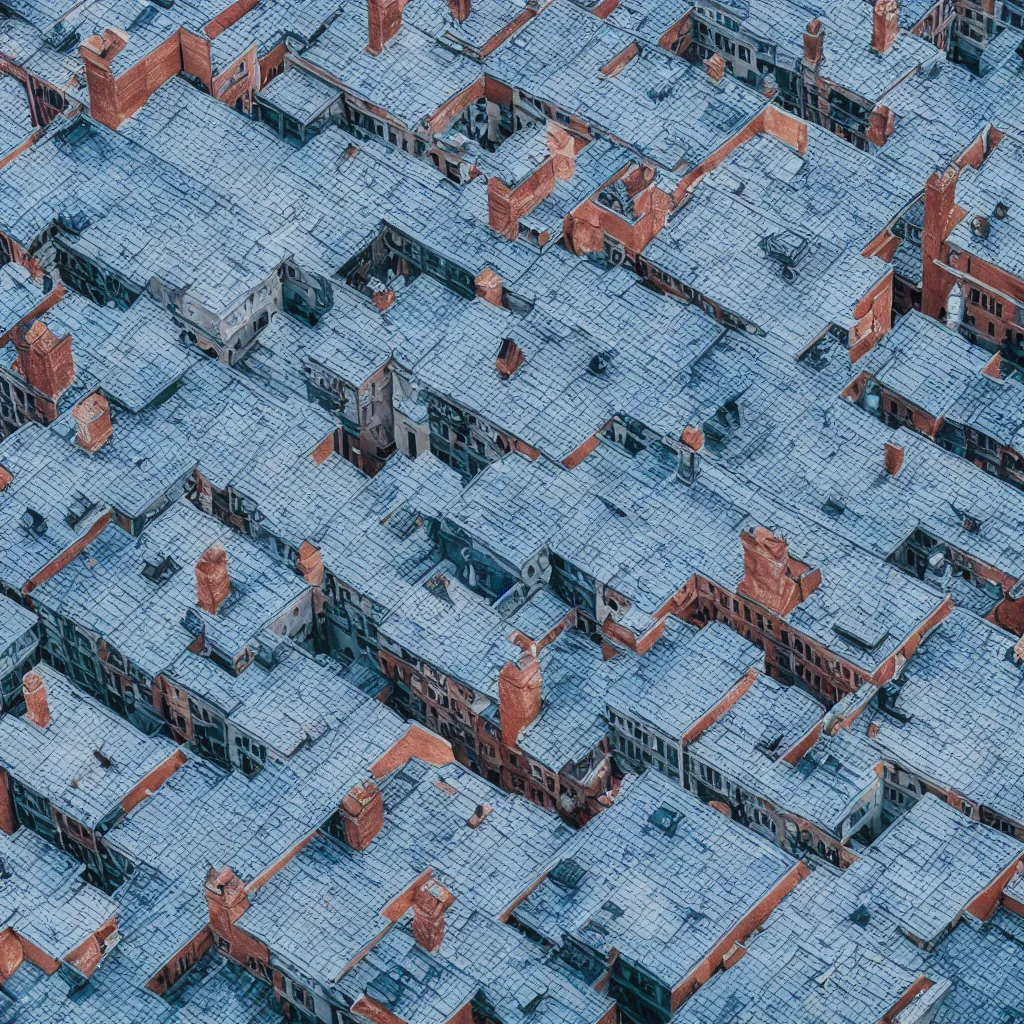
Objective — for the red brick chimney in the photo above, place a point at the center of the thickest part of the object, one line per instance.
(44, 360)
(428, 908)
(510, 358)
(37, 708)
(213, 583)
(881, 124)
(12, 954)
(940, 216)
(893, 458)
(476, 819)
(226, 898)
(489, 286)
(886, 26)
(6, 478)
(814, 42)
(362, 812)
(715, 67)
(383, 296)
(311, 564)
(92, 418)
(384, 22)
(770, 576)
(506, 204)
(461, 9)
(519, 697)
(98, 53)
(562, 148)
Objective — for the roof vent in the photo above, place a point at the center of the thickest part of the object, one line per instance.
(438, 586)
(33, 522)
(1001, 212)
(79, 508)
(866, 633)
(980, 226)
(161, 570)
(666, 819)
(786, 248)
(62, 37)
(386, 988)
(73, 223)
(968, 520)
(529, 998)
(861, 916)
(102, 758)
(601, 363)
(887, 697)
(568, 874)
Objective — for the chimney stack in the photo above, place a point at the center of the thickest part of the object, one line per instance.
(6, 478)
(940, 215)
(12, 954)
(770, 576)
(562, 148)
(477, 818)
(689, 457)
(213, 583)
(44, 360)
(384, 22)
(226, 899)
(814, 42)
(37, 708)
(428, 908)
(886, 26)
(510, 358)
(519, 697)
(489, 286)
(893, 458)
(362, 813)
(383, 295)
(92, 418)
(715, 67)
(461, 9)
(311, 564)
(881, 124)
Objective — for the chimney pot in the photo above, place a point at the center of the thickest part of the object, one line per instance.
(428, 909)
(893, 458)
(362, 814)
(461, 9)
(92, 419)
(479, 814)
(37, 707)
(213, 582)
(885, 25)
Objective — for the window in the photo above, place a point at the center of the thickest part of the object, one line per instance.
(711, 777)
